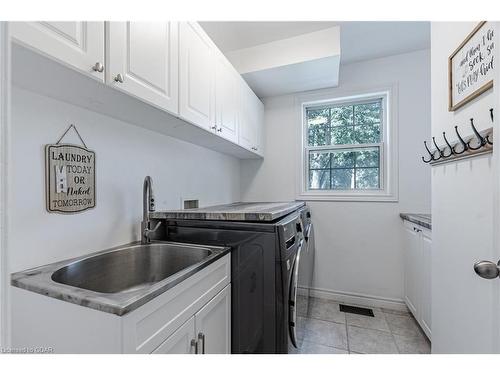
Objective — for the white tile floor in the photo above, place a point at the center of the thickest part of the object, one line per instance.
(327, 330)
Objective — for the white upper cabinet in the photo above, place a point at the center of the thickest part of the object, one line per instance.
(251, 120)
(226, 99)
(259, 109)
(143, 60)
(173, 66)
(196, 76)
(79, 45)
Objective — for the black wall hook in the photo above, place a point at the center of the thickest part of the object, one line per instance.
(437, 148)
(449, 146)
(430, 153)
(480, 139)
(464, 144)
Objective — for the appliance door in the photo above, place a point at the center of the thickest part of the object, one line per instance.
(292, 303)
(306, 271)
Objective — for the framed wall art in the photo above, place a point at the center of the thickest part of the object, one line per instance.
(471, 66)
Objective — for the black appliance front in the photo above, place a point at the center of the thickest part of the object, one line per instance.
(253, 284)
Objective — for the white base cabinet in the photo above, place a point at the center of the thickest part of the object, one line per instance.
(192, 317)
(207, 332)
(417, 280)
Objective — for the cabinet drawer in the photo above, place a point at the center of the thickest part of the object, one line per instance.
(147, 327)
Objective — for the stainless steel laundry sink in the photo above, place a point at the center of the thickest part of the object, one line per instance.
(130, 268)
(121, 279)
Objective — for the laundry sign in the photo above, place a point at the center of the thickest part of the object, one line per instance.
(70, 177)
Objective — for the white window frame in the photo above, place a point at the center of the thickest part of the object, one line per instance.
(388, 191)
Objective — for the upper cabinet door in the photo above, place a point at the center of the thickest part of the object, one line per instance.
(259, 118)
(143, 61)
(79, 45)
(196, 76)
(248, 130)
(226, 100)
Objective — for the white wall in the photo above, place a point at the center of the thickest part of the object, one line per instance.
(124, 155)
(462, 212)
(358, 246)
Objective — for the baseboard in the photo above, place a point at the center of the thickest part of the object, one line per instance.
(356, 298)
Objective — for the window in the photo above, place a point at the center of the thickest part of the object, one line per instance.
(345, 148)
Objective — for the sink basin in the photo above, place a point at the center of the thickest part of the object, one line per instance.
(130, 268)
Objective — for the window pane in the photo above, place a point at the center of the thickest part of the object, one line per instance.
(319, 179)
(319, 136)
(368, 158)
(367, 178)
(367, 133)
(367, 113)
(319, 160)
(342, 115)
(342, 179)
(343, 135)
(343, 159)
(318, 117)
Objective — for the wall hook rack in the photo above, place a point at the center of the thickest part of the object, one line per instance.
(477, 143)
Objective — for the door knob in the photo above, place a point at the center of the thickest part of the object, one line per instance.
(487, 270)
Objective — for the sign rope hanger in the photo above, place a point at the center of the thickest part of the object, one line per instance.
(77, 133)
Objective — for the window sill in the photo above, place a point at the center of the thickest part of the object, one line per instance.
(353, 197)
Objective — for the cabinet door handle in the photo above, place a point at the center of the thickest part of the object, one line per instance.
(219, 130)
(214, 128)
(194, 345)
(119, 78)
(98, 67)
(201, 337)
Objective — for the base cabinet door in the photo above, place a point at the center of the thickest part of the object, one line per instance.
(181, 341)
(143, 60)
(78, 44)
(412, 267)
(417, 288)
(426, 282)
(196, 76)
(213, 324)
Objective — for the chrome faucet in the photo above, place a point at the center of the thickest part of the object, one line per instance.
(148, 205)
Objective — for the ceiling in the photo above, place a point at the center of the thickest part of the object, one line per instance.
(359, 40)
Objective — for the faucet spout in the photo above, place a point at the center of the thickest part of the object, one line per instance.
(148, 205)
(148, 200)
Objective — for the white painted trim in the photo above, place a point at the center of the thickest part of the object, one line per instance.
(4, 163)
(390, 170)
(357, 299)
(496, 189)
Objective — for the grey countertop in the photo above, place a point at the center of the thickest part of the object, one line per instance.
(240, 211)
(39, 280)
(424, 220)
